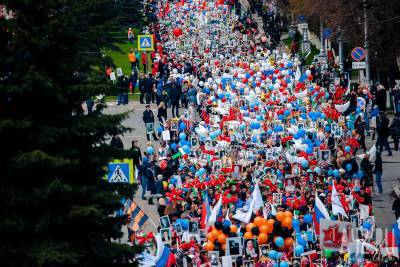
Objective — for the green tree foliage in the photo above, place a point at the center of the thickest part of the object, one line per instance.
(56, 208)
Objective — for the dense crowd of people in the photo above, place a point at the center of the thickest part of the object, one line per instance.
(263, 156)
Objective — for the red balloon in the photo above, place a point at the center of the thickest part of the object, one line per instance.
(258, 83)
(251, 72)
(263, 77)
(177, 32)
(276, 71)
(310, 77)
(163, 164)
(244, 80)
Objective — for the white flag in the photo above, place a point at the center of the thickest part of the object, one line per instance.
(215, 211)
(245, 213)
(298, 74)
(337, 207)
(258, 202)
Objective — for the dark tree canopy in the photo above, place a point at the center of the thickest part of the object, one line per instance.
(56, 206)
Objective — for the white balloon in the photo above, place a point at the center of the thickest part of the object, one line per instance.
(174, 71)
(210, 80)
(276, 86)
(215, 87)
(308, 72)
(201, 83)
(259, 74)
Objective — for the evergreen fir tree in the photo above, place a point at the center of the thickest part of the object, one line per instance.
(56, 208)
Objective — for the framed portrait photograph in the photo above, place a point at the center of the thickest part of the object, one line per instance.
(174, 126)
(250, 251)
(194, 140)
(237, 170)
(337, 132)
(178, 228)
(193, 227)
(263, 252)
(213, 258)
(296, 171)
(311, 176)
(277, 199)
(234, 246)
(194, 237)
(165, 222)
(166, 235)
(326, 155)
(149, 128)
(216, 165)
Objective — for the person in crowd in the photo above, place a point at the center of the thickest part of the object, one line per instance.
(359, 126)
(374, 119)
(131, 36)
(162, 113)
(383, 133)
(137, 55)
(149, 87)
(132, 59)
(396, 98)
(396, 207)
(136, 154)
(395, 131)
(366, 168)
(133, 78)
(148, 117)
(142, 87)
(174, 97)
(144, 60)
(380, 98)
(378, 170)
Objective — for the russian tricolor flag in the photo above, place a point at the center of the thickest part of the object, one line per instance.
(320, 212)
(164, 257)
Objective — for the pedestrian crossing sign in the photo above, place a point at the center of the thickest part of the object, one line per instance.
(120, 171)
(145, 42)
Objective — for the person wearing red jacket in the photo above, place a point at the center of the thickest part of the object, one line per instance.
(144, 61)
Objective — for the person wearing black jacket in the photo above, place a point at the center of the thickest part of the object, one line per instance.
(149, 83)
(395, 131)
(148, 117)
(136, 153)
(383, 133)
(175, 97)
(378, 171)
(142, 88)
(366, 168)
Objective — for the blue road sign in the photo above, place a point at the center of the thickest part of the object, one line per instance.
(358, 54)
(118, 173)
(327, 33)
(145, 42)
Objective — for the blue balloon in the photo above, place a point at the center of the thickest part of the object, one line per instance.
(367, 226)
(296, 136)
(273, 254)
(227, 223)
(299, 249)
(347, 149)
(160, 129)
(213, 135)
(308, 218)
(284, 264)
(182, 136)
(335, 173)
(328, 129)
(186, 149)
(304, 163)
(150, 150)
(242, 127)
(269, 131)
(317, 170)
(309, 151)
(279, 242)
(280, 117)
(182, 126)
(349, 167)
(286, 113)
(301, 241)
(302, 132)
(248, 75)
(173, 180)
(259, 117)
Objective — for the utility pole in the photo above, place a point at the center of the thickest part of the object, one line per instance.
(340, 41)
(322, 50)
(366, 45)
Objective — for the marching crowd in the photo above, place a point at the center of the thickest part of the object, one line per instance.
(263, 157)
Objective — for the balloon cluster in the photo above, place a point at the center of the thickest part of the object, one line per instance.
(218, 235)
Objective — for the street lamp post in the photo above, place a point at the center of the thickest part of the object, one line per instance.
(367, 70)
(340, 41)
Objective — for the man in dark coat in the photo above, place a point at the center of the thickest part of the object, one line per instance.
(136, 153)
(142, 88)
(148, 117)
(383, 133)
(175, 97)
(149, 83)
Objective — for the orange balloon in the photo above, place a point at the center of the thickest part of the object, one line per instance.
(271, 222)
(248, 235)
(288, 214)
(233, 228)
(209, 246)
(250, 226)
(258, 221)
(289, 242)
(264, 221)
(211, 236)
(222, 238)
(262, 238)
(264, 228)
(280, 216)
(287, 222)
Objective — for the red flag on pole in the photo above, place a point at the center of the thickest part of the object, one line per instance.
(166, 10)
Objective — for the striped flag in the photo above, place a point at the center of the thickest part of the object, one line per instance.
(138, 217)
